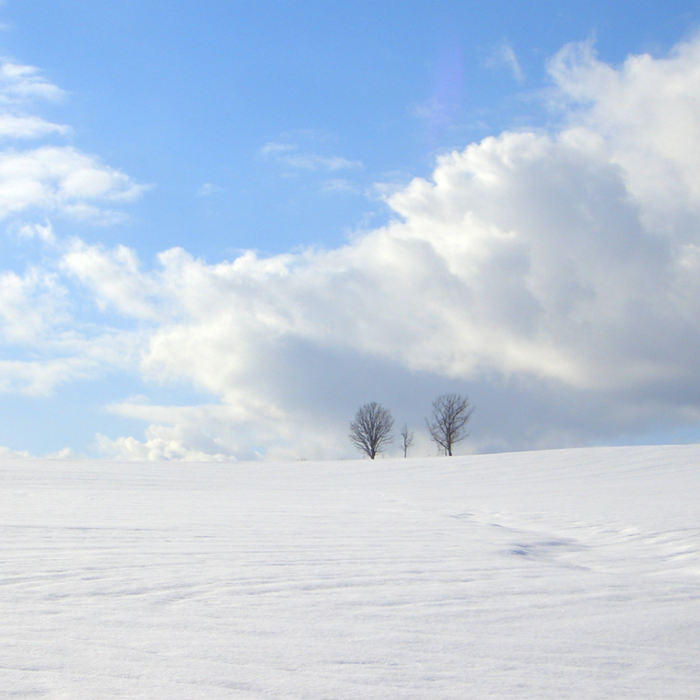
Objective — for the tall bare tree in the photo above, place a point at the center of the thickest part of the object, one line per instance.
(371, 430)
(406, 439)
(450, 415)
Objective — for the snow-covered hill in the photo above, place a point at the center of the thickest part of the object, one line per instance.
(560, 574)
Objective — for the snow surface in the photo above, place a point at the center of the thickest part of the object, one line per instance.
(559, 574)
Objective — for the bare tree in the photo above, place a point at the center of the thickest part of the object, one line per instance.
(450, 415)
(370, 432)
(406, 438)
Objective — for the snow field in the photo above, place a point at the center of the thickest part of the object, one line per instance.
(559, 574)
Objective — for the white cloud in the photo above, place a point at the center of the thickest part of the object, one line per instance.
(531, 258)
(28, 127)
(63, 351)
(274, 149)
(551, 276)
(289, 155)
(44, 232)
(21, 83)
(65, 453)
(504, 55)
(432, 110)
(40, 377)
(7, 453)
(44, 344)
(340, 185)
(113, 277)
(60, 179)
(646, 116)
(307, 161)
(162, 442)
(30, 305)
(208, 189)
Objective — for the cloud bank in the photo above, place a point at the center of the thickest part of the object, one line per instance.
(553, 276)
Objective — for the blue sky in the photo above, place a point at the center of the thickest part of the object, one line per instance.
(296, 130)
(178, 95)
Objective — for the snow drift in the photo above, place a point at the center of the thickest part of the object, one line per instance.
(561, 574)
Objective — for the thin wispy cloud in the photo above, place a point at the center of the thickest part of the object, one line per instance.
(341, 185)
(440, 110)
(503, 56)
(274, 149)
(19, 126)
(21, 83)
(207, 189)
(431, 110)
(291, 156)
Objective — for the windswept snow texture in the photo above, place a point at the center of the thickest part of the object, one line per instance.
(561, 574)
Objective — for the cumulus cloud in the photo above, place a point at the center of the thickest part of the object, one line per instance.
(161, 444)
(646, 115)
(44, 232)
(7, 453)
(537, 261)
(45, 344)
(113, 277)
(65, 453)
(555, 277)
(30, 304)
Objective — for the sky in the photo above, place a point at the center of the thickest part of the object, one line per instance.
(225, 226)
